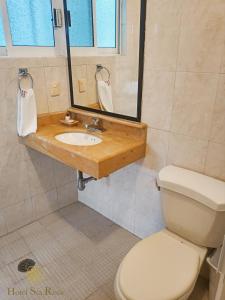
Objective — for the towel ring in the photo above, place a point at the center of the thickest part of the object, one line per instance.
(23, 74)
(98, 71)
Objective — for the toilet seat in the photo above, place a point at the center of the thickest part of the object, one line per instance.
(161, 267)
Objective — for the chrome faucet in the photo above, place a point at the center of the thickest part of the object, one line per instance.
(95, 126)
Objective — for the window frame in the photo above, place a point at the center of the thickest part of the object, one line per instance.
(100, 51)
(60, 39)
(33, 51)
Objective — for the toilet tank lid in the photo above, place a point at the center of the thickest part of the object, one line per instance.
(204, 189)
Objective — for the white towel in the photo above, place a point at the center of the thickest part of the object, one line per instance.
(26, 113)
(105, 95)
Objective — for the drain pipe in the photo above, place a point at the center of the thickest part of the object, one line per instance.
(83, 181)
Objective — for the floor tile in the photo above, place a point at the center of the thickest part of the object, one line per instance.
(98, 295)
(77, 253)
(13, 251)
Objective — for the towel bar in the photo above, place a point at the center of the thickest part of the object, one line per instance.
(98, 71)
(23, 73)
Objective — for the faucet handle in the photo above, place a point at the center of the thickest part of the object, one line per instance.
(96, 121)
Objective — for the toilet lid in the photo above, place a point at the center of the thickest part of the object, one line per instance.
(159, 268)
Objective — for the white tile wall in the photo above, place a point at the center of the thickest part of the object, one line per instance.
(183, 105)
(31, 184)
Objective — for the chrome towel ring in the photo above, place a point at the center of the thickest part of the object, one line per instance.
(23, 74)
(99, 68)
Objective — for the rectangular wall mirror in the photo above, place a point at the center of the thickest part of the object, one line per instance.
(105, 46)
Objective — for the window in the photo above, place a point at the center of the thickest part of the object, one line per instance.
(81, 30)
(2, 36)
(26, 27)
(31, 22)
(106, 23)
(93, 23)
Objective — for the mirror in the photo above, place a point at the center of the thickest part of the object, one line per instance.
(105, 45)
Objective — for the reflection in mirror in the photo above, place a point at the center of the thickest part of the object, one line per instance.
(2, 36)
(104, 47)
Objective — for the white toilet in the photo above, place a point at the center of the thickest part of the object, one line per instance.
(166, 265)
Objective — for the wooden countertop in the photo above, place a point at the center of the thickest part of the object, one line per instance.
(117, 149)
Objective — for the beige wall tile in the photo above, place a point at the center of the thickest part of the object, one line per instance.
(45, 203)
(14, 186)
(98, 188)
(158, 99)
(67, 194)
(3, 78)
(21, 62)
(5, 62)
(38, 75)
(122, 210)
(55, 61)
(4, 109)
(215, 162)
(157, 149)
(123, 81)
(57, 75)
(223, 61)
(25, 173)
(18, 215)
(202, 36)
(8, 108)
(11, 155)
(162, 34)
(124, 88)
(63, 174)
(147, 199)
(3, 228)
(187, 152)
(91, 83)
(80, 72)
(55, 106)
(218, 122)
(127, 105)
(200, 51)
(40, 173)
(28, 62)
(193, 105)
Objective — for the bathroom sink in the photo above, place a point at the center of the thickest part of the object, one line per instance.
(78, 139)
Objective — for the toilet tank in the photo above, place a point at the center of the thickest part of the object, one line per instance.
(193, 205)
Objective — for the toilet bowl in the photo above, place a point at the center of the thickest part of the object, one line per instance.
(163, 266)
(166, 265)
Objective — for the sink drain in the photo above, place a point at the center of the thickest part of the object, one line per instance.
(26, 265)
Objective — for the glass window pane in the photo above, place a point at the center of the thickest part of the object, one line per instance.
(106, 23)
(2, 36)
(81, 30)
(31, 22)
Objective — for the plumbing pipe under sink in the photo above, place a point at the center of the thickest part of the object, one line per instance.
(83, 181)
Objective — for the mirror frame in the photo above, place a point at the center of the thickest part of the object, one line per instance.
(140, 70)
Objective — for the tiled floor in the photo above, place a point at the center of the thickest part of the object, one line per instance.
(201, 290)
(77, 253)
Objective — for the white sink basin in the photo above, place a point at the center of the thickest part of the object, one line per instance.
(78, 139)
